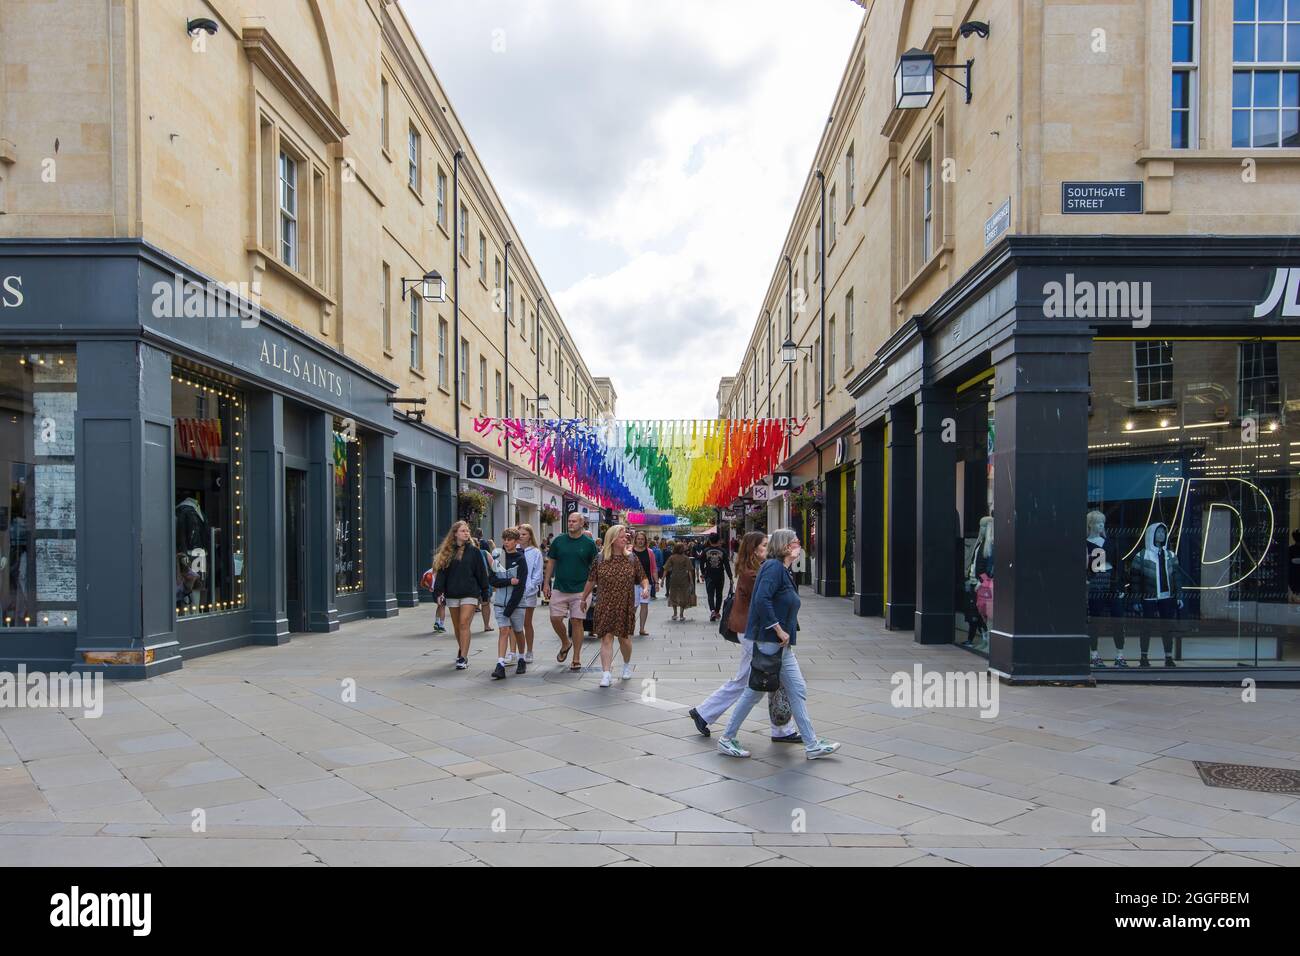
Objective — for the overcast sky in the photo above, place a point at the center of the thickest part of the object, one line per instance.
(650, 155)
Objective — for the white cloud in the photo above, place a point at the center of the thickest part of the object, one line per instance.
(651, 156)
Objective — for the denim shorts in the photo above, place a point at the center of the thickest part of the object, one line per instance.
(514, 620)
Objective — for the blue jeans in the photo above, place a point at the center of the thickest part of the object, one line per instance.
(795, 689)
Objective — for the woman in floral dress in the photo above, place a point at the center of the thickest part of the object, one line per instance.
(615, 575)
(680, 574)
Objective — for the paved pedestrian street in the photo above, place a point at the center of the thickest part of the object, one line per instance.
(430, 766)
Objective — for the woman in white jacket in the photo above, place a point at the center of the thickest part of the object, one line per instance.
(533, 585)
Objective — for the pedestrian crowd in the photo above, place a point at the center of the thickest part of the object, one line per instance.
(606, 587)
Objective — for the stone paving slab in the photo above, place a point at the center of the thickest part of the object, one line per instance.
(434, 767)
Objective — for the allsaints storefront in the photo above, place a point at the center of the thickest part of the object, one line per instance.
(188, 474)
(1103, 435)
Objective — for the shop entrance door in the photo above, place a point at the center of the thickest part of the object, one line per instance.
(295, 548)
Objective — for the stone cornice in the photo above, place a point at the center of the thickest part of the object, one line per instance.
(265, 53)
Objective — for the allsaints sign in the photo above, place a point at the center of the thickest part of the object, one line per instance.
(11, 292)
(294, 365)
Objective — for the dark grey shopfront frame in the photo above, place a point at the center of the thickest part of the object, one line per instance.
(994, 316)
(98, 295)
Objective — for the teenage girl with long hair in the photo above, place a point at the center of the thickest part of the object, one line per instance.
(460, 583)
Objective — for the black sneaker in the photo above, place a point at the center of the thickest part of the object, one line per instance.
(1098, 662)
(521, 667)
(499, 672)
(1144, 662)
(700, 723)
(1120, 662)
(793, 738)
(1169, 662)
(461, 663)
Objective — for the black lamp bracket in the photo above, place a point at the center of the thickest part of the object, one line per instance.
(968, 66)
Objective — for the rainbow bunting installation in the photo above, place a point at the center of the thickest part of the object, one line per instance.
(642, 464)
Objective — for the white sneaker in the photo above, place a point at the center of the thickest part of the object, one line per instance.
(731, 748)
(627, 672)
(528, 658)
(606, 680)
(823, 748)
(510, 657)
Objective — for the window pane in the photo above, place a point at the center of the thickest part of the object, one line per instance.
(1291, 127)
(1183, 10)
(1265, 132)
(1266, 85)
(1183, 43)
(1270, 43)
(1243, 10)
(1291, 89)
(1293, 43)
(1243, 43)
(1179, 93)
(1240, 128)
(1293, 9)
(1270, 9)
(1178, 130)
(1241, 88)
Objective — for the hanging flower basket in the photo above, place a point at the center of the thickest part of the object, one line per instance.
(807, 497)
(550, 514)
(473, 504)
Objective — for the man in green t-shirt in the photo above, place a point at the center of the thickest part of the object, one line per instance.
(567, 565)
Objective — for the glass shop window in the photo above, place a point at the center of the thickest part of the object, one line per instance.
(38, 520)
(348, 567)
(208, 438)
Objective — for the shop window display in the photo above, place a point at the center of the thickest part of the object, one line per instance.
(208, 425)
(38, 529)
(974, 553)
(348, 563)
(1192, 507)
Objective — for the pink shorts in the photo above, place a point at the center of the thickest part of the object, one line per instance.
(565, 605)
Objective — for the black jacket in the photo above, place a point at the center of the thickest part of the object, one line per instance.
(465, 577)
(714, 561)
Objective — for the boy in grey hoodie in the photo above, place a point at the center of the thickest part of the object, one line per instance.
(509, 577)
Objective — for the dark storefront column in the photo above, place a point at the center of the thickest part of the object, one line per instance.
(900, 596)
(264, 502)
(322, 615)
(445, 515)
(378, 539)
(869, 542)
(1040, 497)
(425, 525)
(126, 535)
(408, 575)
(830, 521)
(936, 514)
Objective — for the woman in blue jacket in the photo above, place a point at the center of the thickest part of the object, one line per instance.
(773, 624)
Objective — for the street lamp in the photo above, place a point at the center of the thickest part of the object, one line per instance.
(431, 287)
(914, 74)
(790, 351)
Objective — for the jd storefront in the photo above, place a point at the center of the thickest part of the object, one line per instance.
(1102, 435)
(187, 474)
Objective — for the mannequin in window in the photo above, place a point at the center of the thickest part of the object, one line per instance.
(191, 549)
(980, 577)
(1105, 609)
(1153, 585)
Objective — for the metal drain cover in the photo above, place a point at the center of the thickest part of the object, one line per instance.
(1236, 776)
